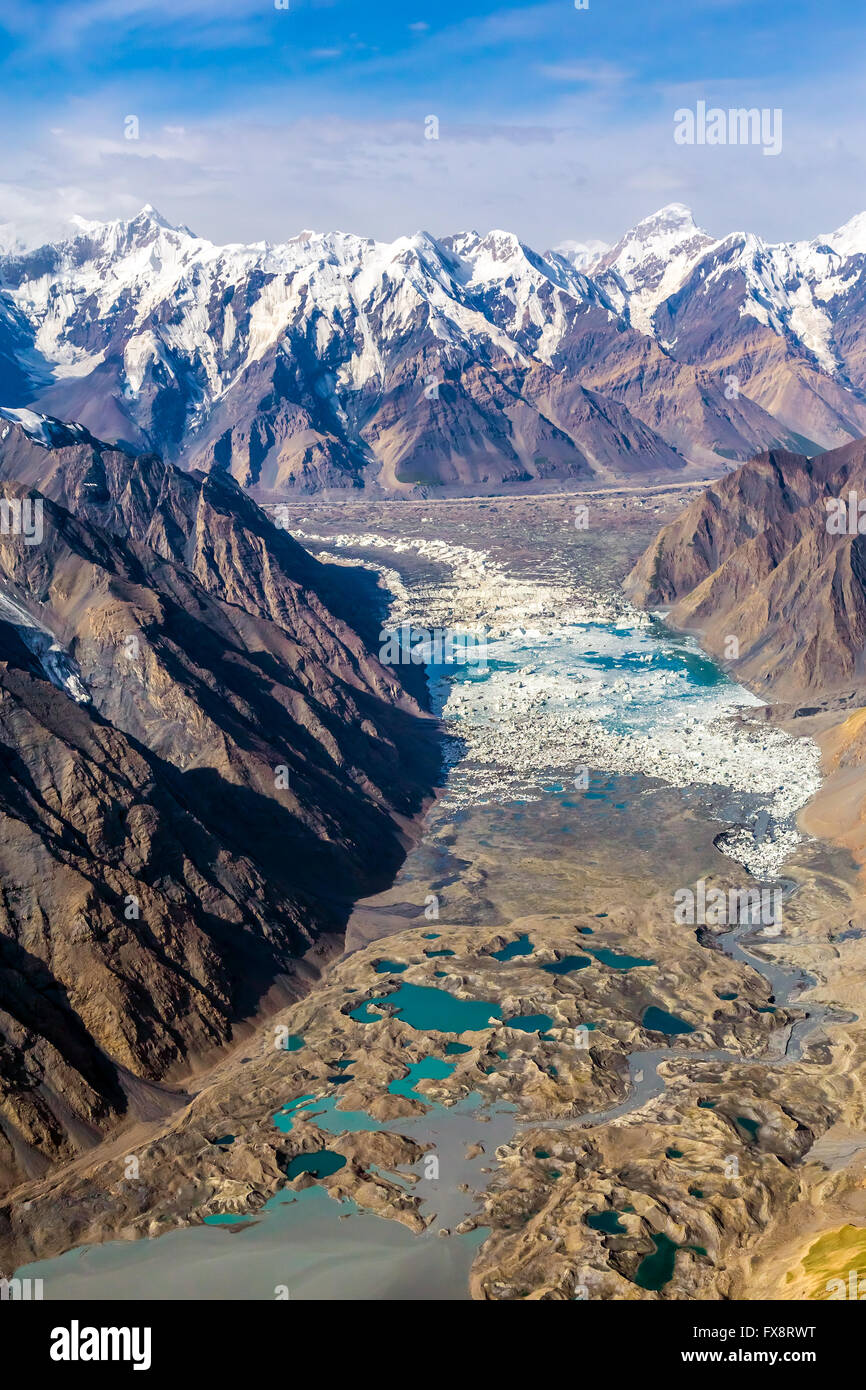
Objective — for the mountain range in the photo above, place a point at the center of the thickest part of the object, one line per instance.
(203, 765)
(449, 365)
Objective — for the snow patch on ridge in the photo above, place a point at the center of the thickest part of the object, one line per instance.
(60, 668)
(42, 429)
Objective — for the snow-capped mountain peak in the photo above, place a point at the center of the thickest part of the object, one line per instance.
(849, 239)
(654, 237)
(498, 255)
(653, 259)
(309, 362)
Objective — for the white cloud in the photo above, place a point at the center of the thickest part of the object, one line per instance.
(587, 167)
(74, 24)
(591, 72)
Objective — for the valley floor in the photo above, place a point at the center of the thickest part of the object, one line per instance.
(616, 1104)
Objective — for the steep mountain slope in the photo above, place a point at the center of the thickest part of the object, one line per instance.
(204, 522)
(203, 767)
(334, 362)
(755, 565)
(740, 316)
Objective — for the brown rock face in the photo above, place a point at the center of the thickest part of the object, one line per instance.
(757, 558)
(203, 766)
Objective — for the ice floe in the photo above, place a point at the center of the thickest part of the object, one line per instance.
(580, 679)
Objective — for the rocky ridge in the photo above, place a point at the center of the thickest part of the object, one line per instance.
(757, 568)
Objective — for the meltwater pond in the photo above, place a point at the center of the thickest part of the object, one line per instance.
(424, 1008)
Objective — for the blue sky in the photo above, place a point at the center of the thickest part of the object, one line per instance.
(255, 121)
